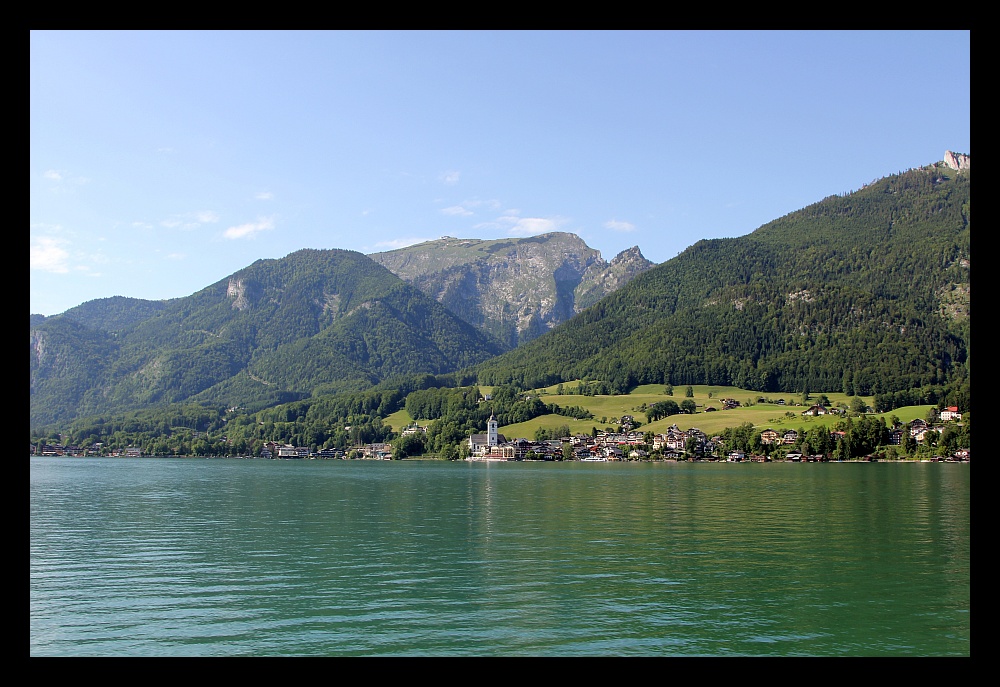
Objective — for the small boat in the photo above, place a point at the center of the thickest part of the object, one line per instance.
(594, 459)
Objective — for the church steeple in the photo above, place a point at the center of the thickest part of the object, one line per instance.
(491, 431)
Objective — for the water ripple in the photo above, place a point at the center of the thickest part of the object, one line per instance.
(192, 558)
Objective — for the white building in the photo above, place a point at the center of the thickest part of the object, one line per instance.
(482, 444)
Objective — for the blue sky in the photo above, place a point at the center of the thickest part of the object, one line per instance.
(162, 162)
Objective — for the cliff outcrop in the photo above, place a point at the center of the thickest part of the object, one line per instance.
(957, 161)
(515, 289)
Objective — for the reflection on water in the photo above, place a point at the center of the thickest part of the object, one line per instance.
(228, 557)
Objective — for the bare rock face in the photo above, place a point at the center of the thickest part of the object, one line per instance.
(515, 289)
(242, 291)
(957, 161)
(608, 278)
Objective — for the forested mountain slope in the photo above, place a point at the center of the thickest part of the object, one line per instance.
(866, 293)
(312, 322)
(115, 313)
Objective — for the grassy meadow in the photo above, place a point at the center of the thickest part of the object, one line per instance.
(763, 415)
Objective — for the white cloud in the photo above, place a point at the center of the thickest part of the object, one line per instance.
(492, 204)
(264, 195)
(530, 226)
(176, 256)
(616, 225)
(190, 220)
(48, 255)
(400, 243)
(249, 230)
(450, 178)
(467, 207)
(61, 176)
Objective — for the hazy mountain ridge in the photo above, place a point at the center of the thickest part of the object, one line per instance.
(515, 289)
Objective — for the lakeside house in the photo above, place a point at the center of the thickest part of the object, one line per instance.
(950, 413)
(769, 437)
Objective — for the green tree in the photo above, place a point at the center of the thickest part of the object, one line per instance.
(931, 438)
(688, 406)
(691, 446)
(661, 409)
(689, 392)
(409, 445)
(567, 451)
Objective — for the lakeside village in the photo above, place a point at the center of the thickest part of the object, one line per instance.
(602, 446)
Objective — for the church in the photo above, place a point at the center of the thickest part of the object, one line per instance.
(489, 446)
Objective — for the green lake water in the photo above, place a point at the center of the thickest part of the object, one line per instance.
(195, 557)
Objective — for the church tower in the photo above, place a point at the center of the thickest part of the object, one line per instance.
(491, 431)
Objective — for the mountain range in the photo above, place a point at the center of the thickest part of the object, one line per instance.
(311, 323)
(515, 289)
(866, 292)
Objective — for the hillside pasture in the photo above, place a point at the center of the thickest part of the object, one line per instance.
(762, 415)
(399, 420)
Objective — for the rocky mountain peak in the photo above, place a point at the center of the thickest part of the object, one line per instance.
(957, 161)
(516, 289)
(629, 255)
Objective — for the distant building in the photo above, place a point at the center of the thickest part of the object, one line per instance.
(917, 427)
(769, 436)
(950, 413)
(479, 444)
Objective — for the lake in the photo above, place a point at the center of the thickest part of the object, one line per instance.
(229, 557)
